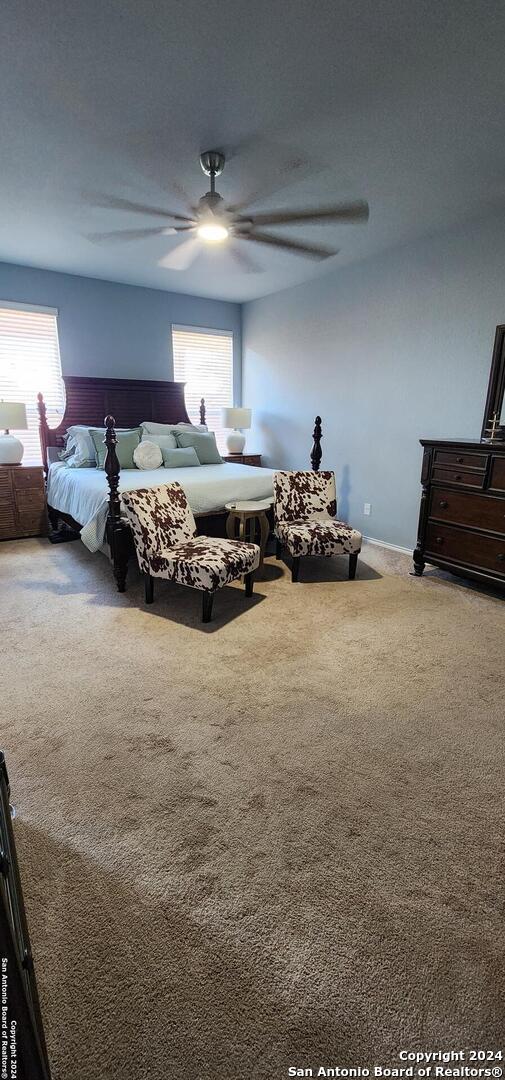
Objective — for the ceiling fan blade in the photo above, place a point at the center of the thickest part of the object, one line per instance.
(345, 214)
(312, 251)
(282, 166)
(181, 257)
(113, 202)
(244, 261)
(124, 236)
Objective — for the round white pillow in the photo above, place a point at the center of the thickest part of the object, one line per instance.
(147, 455)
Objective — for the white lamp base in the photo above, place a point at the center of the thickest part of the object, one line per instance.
(235, 442)
(11, 450)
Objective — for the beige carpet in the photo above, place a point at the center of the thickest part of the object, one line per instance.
(274, 841)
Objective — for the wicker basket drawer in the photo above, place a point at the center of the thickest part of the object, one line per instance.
(32, 523)
(23, 478)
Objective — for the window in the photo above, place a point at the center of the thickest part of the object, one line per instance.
(203, 359)
(29, 362)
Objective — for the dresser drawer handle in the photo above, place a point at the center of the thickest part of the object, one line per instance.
(501, 557)
(460, 460)
(444, 504)
(440, 539)
(457, 476)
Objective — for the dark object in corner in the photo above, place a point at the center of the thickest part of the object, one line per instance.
(22, 1004)
(63, 534)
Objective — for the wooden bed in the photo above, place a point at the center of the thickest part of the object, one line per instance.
(124, 403)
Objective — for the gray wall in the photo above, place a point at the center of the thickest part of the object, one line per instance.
(107, 330)
(386, 351)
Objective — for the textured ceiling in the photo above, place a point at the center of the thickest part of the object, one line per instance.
(398, 102)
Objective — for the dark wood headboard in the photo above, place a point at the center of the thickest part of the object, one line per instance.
(129, 401)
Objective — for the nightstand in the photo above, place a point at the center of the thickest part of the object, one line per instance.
(22, 501)
(244, 459)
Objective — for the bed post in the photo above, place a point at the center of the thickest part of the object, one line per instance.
(43, 429)
(115, 531)
(202, 410)
(316, 452)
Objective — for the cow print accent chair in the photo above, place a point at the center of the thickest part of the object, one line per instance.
(305, 505)
(164, 533)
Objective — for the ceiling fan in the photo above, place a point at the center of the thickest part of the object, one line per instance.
(213, 223)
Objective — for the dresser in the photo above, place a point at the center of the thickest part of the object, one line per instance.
(25, 1047)
(462, 514)
(244, 459)
(22, 501)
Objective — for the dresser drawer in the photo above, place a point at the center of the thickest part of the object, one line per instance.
(497, 474)
(461, 545)
(23, 478)
(465, 459)
(467, 508)
(31, 499)
(31, 523)
(464, 479)
(244, 459)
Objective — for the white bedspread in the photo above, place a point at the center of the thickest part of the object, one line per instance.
(83, 493)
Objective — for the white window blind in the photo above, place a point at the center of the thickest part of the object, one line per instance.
(203, 359)
(29, 362)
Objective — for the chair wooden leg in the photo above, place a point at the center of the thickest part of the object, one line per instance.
(249, 582)
(353, 562)
(295, 569)
(208, 597)
(278, 549)
(149, 587)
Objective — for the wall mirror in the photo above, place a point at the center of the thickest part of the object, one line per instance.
(493, 427)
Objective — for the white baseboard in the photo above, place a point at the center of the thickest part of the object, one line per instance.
(392, 547)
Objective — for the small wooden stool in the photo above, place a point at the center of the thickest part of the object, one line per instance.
(248, 521)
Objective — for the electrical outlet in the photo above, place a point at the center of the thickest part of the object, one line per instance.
(367, 509)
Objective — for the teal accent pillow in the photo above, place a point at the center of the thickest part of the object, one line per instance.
(125, 445)
(180, 458)
(203, 443)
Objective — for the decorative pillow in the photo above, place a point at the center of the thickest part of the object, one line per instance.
(204, 444)
(151, 428)
(125, 445)
(181, 458)
(147, 455)
(168, 442)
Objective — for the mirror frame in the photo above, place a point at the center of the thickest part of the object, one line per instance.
(496, 388)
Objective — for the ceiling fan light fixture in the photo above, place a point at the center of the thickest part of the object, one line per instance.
(212, 232)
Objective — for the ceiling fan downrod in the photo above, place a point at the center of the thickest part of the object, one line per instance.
(212, 163)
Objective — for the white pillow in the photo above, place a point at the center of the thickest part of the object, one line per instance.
(150, 428)
(147, 455)
(82, 448)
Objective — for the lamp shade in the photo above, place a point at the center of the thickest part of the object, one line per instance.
(236, 418)
(13, 415)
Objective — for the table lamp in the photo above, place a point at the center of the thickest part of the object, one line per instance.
(12, 415)
(236, 419)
